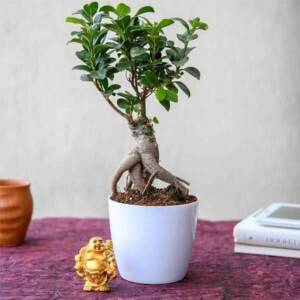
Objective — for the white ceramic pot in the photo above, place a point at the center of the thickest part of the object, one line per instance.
(152, 244)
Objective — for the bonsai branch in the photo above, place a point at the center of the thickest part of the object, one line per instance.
(134, 82)
(127, 117)
(144, 96)
(141, 96)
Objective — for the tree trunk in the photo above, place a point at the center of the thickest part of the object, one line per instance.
(142, 163)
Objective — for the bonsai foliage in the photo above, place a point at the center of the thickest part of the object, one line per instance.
(113, 40)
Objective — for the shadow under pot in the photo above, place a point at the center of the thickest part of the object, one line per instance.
(15, 211)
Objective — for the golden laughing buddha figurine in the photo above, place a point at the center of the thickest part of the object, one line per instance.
(96, 264)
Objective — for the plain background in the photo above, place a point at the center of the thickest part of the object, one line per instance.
(237, 139)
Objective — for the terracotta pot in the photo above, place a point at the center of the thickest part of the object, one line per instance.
(15, 211)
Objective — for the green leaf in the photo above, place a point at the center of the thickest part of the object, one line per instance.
(183, 87)
(203, 26)
(75, 21)
(166, 104)
(82, 13)
(189, 50)
(100, 36)
(104, 83)
(164, 23)
(99, 74)
(172, 87)
(75, 40)
(123, 64)
(109, 60)
(122, 9)
(145, 9)
(155, 120)
(82, 68)
(170, 44)
(192, 37)
(114, 87)
(78, 33)
(182, 38)
(114, 28)
(101, 48)
(193, 71)
(98, 18)
(111, 71)
(107, 9)
(152, 79)
(124, 21)
(160, 93)
(94, 8)
(114, 45)
(128, 96)
(85, 77)
(196, 24)
(181, 62)
(91, 9)
(85, 43)
(183, 22)
(122, 103)
(136, 108)
(78, 12)
(83, 55)
(137, 51)
(172, 54)
(108, 92)
(171, 96)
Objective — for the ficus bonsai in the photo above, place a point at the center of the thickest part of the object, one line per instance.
(113, 40)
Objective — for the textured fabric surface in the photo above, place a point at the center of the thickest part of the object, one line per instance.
(42, 268)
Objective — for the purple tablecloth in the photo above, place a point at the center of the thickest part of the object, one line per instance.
(43, 267)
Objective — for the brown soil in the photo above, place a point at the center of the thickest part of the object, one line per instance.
(154, 197)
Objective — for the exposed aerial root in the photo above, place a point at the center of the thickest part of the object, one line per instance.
(183, 180)
(150, 180)
(152, 166)
(127, 163)
(129, 183)
(137, 177)
(142, 164)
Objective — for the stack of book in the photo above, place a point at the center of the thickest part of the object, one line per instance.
(252, 237)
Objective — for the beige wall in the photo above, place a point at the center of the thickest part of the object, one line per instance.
(237, 139)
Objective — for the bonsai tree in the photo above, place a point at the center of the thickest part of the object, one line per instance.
(113, 40)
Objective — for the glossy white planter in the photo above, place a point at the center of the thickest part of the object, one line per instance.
(153, 244)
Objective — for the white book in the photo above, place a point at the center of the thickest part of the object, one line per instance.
(251, 232)
(260, 250)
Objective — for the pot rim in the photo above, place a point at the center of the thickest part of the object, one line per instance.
(13, 183)
(154, 206)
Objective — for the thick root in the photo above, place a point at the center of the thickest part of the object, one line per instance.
(128, 183)
(149, 183)
(137, 178)
(152, 166)
(142, 164)
(126, 164)
(183, 180)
